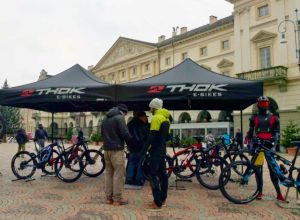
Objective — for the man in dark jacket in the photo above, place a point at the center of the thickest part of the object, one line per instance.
(41, 136)
(139, 129)
(21, 139)
(115, 132)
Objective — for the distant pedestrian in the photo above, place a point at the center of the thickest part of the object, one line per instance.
(115, 132)
(210, 139)
(41, 136)
(21, 139)
(226, 139)
(239, 139)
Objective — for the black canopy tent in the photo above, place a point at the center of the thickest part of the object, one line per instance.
(190, 86)
(73, 90)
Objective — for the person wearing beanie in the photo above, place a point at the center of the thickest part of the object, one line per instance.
(159, 134)
(115, 132)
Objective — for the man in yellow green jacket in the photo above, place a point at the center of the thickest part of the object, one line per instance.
(159, 134)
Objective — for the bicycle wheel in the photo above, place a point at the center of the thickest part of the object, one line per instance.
(93, 162)
(49, 166)
(240, 189)
(169, 165)
(188, 170)
(234, 157)
(68, 167)
(208, 171)
(23, 165)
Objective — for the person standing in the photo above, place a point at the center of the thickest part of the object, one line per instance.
(239, 139)
(139, 129)
(265, 126)
(115, 132)
(159, 134)
(21, 139)
(41, 136)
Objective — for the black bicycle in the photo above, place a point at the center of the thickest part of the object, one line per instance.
(242, 189)
(93, 160)
(24, 163)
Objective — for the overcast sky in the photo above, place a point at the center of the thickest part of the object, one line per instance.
(56, 34)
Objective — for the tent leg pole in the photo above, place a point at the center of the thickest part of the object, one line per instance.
(52, 127)
(241, 115)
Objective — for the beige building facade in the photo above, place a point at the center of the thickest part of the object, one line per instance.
(246, 44)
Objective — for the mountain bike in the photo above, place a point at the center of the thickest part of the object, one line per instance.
(242, 189)
(183, 163)
(69, 165)
(93, 160)
(24, 163)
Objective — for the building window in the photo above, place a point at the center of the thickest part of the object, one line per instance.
(133, 71)
(265, 57)
(147, 67)
(203, 51)
(184, 55)
(225, 44)
(123, 74)
(263, 11)
(167, 61)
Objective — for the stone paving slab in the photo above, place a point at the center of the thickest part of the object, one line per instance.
(50, 198)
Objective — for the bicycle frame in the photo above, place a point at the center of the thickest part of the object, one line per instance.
(272, 157)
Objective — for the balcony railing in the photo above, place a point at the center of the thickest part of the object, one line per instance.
(269, 74)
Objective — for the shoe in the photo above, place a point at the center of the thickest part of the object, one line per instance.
(280, 198)
(259, 196)
(164, 203)
(109, 200)
(153, 207)
(121, 202)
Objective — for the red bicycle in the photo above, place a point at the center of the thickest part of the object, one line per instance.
(183, 163)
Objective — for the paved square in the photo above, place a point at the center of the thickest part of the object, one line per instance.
(50, 198)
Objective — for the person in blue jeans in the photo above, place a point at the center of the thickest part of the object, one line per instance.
(139, 129)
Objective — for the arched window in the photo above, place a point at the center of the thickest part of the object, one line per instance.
(71, 125)
(204, 116)
(225, 116)
(184, 117)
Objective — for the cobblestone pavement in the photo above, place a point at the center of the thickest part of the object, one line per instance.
(50, 198)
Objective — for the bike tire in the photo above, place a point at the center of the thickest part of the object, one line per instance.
(169, 165)
(298, 182)
(208, 170)
(91, 167)
(49, 167)
(182, 173)
(25, 158)
(234, 157)
(240, 189)
(63, 169)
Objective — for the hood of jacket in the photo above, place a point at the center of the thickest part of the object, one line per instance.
(112, 112)
(164, 112)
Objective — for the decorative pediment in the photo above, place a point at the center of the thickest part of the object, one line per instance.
(224, 63)
(124, 49)
(263, 36)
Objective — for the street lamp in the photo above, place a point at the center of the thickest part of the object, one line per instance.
(282, 31)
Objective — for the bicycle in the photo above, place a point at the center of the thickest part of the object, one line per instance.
(69, 165)
(24, 161)
(242, 189)
(93, 160)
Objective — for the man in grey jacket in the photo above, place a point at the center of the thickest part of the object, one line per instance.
(115, 133)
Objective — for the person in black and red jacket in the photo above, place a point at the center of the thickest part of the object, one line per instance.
(265, 125)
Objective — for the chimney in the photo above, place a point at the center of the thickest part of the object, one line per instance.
(212, 19)
(161, 38)
(183, 30)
